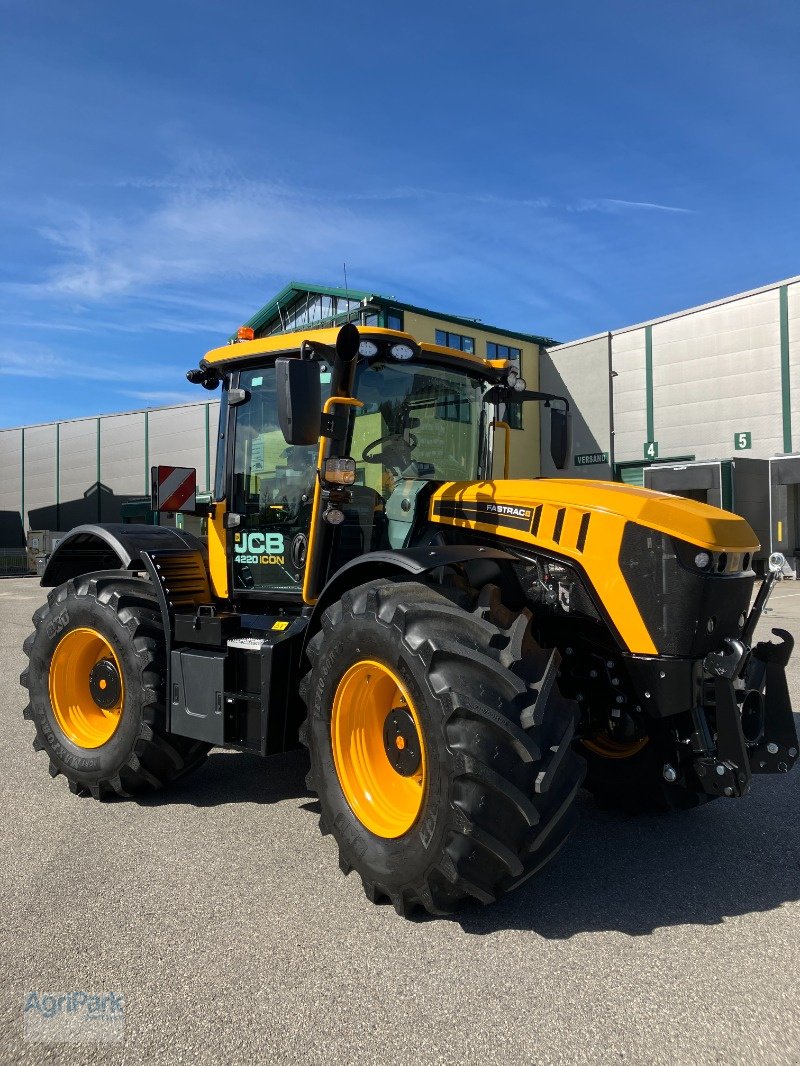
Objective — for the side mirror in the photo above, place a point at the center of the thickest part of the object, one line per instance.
(559, 437)
(347, 342)
(299, 400)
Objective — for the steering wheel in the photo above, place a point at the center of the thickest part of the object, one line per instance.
(398, 443)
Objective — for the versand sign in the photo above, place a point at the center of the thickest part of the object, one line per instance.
(592, 459)
(174, 488)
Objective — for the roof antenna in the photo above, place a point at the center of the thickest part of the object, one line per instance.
(346, 293)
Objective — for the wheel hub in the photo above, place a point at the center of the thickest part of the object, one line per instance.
(401, 741)
(86, 688)
(105, 684)
(378, 749)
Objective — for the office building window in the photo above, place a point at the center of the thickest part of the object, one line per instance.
(455, 340)
(394, 318)
(502, 351)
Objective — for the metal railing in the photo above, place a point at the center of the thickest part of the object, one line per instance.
(13, 562)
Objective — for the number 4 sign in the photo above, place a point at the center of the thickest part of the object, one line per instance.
(651, 449)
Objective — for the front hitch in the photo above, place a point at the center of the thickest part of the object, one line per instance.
(755, 728)
(776, 750)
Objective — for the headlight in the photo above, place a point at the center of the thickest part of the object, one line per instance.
(333, 516)
(368, 349)
(701, 560)
(512, 377)
(520, 385)
(401, 352)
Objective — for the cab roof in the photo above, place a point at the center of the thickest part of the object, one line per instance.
(286, 343)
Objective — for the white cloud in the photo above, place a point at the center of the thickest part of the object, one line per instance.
(161, 397)
(34, 360)
(196, 249)
(610, 205)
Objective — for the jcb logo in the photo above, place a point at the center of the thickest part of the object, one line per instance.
(255, 543)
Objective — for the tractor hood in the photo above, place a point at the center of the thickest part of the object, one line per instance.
(520, 505)
(612, 531)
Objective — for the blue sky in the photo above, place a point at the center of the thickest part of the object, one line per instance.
(554, 168)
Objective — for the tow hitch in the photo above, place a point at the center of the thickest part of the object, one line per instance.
(755, 729)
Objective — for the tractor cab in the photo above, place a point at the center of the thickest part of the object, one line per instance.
(331, 444)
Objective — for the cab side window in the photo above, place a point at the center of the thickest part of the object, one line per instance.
(273, 492)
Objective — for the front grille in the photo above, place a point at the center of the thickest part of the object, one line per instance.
(687, 612)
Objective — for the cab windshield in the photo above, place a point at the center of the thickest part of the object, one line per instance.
(417, 424)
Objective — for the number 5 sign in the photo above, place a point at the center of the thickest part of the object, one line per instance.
(742, 441)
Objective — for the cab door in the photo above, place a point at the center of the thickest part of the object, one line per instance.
(272, 489)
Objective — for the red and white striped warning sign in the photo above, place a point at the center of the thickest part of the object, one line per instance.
(173, 488)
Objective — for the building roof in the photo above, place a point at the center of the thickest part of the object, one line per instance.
(271, 311)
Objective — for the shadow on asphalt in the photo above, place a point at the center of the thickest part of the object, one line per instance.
(617, 873)
(637, 874)
(236, 777)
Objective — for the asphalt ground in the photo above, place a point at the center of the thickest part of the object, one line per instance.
(219, 913)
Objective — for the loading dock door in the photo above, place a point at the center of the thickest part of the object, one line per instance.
(705, 482)
(785, 488)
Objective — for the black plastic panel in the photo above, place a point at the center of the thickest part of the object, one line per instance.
(687, 612)
(197, 690)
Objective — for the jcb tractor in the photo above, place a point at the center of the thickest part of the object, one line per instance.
(459, 654)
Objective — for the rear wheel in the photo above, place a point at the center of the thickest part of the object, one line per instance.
(631, 775)
(96, 686)
(441, 747)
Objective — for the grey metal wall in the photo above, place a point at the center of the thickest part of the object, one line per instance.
(180, 437)
(580, 371)
(717, 372)
(122, 461)
(693, 381)
(61, 474)
(11, 530)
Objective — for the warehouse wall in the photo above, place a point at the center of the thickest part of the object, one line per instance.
(11, 528)
(717, 372)
(792, 326)
(694, 381)
(61, 474)
(628, 364)
(580, 371)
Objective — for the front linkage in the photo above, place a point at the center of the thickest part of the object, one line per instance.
(747, 689)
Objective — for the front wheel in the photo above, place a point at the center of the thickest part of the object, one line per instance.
(441, 747)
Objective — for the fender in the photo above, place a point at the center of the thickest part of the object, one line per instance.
(113, 547)
(407, 562)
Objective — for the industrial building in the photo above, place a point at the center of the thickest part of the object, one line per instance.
(703, 403)
(61, 474)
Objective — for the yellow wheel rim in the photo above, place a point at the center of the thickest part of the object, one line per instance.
(374, 721)
(86, 688)
(613, 749)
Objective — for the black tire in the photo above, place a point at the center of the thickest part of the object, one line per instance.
(140, 756)
(502, 774)
(635, 784)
